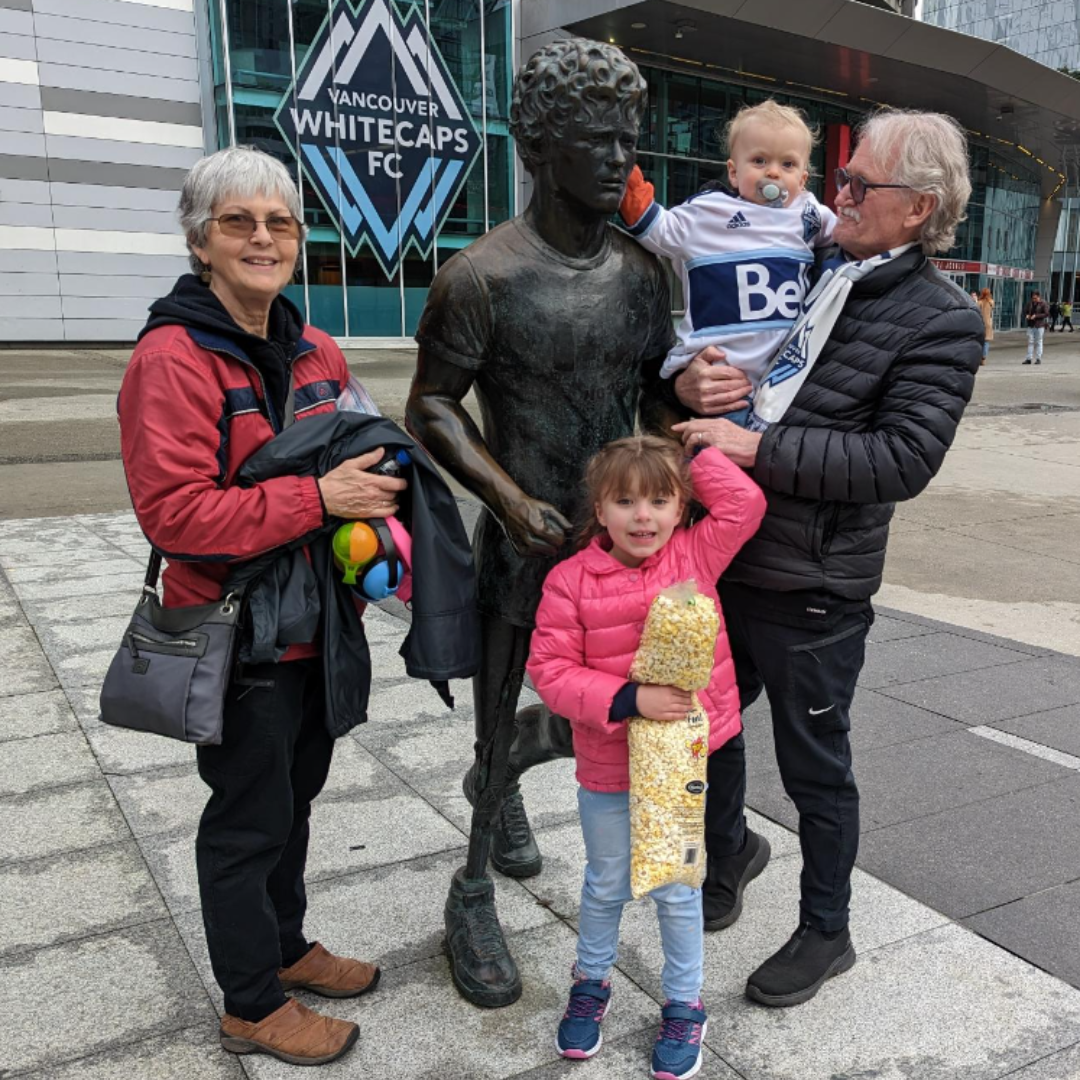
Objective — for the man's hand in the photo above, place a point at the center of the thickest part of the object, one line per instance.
(736, 442)
(710, 387)
(351, 492)
(664, 703)
(535, 528)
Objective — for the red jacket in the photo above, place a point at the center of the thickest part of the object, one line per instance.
(592, 613)
(191, 412)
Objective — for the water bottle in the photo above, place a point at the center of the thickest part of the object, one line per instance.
(393, 464)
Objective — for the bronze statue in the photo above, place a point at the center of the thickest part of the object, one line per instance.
(555, 318)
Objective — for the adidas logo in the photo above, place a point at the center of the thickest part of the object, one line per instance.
(739, 222)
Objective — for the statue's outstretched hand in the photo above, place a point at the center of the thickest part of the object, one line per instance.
(535, 528)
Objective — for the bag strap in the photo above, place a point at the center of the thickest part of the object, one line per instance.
(290, 402)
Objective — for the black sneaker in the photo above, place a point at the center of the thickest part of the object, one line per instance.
(513, 846)
(795, 973)
(727, 877)
(1025, 362)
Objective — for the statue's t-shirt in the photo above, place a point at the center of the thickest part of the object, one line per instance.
(558, 346)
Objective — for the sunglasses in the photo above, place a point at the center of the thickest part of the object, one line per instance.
(241, 226)
(859, 186)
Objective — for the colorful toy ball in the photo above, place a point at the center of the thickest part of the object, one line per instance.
(355, 544)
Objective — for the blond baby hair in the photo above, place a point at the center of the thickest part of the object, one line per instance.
(773, 113)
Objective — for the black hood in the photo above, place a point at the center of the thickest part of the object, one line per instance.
(193, 306)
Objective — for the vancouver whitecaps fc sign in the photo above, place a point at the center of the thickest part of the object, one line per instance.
(374, 104)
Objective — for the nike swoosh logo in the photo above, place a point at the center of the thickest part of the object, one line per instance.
(818, 712)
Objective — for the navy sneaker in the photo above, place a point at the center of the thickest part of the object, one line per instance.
(579, 1035)
(677, 1052)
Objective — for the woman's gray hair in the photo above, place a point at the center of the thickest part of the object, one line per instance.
(928, 153)
(236, 172)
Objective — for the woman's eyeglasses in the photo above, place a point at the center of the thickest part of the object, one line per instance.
(242, 226)
(859, 186)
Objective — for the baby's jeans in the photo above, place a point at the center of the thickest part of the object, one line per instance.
(605, 823)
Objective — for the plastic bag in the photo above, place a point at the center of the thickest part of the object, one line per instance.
(669, 760)
(354, 398)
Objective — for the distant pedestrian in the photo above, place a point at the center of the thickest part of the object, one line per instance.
(1066, 315)
(1055, 314)
(975, 295)
(1035, 314)
(986, 307)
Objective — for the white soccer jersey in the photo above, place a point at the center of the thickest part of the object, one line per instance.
(744, 269)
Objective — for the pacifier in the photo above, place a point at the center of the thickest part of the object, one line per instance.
(772, 192)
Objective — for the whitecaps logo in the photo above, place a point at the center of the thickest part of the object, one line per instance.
(374, 107)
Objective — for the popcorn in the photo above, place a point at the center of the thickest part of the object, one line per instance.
(679, 641)
(668, 760)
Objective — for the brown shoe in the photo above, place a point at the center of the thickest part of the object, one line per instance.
(332, 976)
(292, 1033)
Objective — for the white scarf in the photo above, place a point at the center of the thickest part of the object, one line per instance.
(803, 345)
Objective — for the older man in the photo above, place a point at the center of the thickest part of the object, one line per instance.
(869, 426)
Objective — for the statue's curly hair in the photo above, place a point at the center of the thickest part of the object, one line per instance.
(571, 80)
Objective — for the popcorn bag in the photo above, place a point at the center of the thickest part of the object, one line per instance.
(668, 761)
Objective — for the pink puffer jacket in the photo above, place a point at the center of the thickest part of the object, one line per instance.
(590, 619)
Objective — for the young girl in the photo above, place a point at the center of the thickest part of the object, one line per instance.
(588, 628)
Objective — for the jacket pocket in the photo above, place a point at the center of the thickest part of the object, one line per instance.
(823, 529)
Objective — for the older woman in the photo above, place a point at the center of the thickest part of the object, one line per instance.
(222, 365)
(869, 426)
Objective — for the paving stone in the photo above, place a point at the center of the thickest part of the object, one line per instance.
(193, 1054)
(997, 693)
(56, 820)
(627, 1058)
(171, 859)
(872, 1022)
(880, 915)
(60, 639)
(877, 721)
(35, 543)
(457, 1039)
(85, 669)
(889, 628)
(108, 563)
(97, 994)
(912, 659)
(931, 625)
(900, 783)
(50, 900)
(1059, 728)
(1043, 928)
(1064, 1065)
(976, 857)
(120, 751)
(25, 668)
(119, 604)
(85, 702)
(25, 715)
(161, 801)
(60, 587)
(46, 761)
(363, 915)
(433, 757)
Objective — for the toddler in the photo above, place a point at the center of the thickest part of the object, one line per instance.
(588, 628)
(744, 256)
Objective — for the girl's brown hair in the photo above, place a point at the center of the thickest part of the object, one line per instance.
(639, 465)
(986, 294)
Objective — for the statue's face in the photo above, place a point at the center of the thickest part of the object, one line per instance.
(592, 160)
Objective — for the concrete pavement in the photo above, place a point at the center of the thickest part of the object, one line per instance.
(966, 912)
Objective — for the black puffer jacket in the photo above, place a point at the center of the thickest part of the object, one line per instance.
(869, 427)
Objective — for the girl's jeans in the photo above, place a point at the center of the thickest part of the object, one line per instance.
(605, 822)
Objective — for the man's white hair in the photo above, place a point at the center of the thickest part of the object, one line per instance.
(238, 172)
(928, 153)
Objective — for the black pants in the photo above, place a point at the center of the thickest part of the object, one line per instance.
(1066, 319)
(809, 677)
(252, 843)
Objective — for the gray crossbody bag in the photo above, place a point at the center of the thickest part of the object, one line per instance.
(171, 672)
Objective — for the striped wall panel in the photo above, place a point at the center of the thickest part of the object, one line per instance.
(101, 115)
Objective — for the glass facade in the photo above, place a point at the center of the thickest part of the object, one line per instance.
(681, 148)
(1045, 30)
(258, 45)
(1065, 265)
